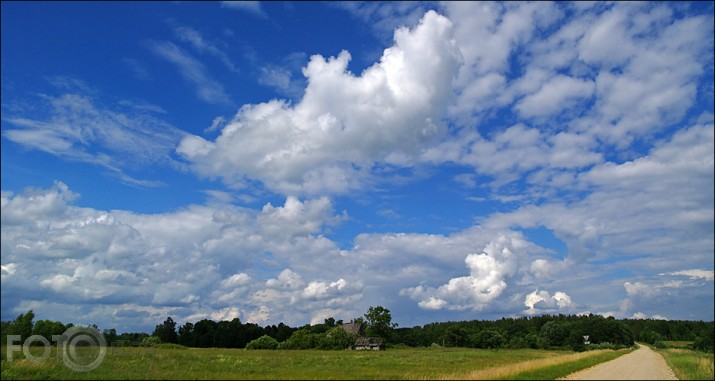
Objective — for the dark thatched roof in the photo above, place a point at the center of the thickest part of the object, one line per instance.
(352, 328)
(368, 341)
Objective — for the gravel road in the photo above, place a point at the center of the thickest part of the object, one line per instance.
(641, 364)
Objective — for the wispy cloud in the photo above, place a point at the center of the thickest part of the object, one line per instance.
(77, 129)
(137, 68)
(192, 70)
(252, 7)
(200, 44)
(383, 17)
(695, 274)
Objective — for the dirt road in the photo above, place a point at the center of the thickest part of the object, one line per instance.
(641, 364)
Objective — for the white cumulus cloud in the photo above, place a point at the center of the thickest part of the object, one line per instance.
(541, 301)
(344, 124)
(488, 272)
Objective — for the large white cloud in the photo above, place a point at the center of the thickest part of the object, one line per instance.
(488, 273)
(198, 258)
(344, 124)
(267, 265)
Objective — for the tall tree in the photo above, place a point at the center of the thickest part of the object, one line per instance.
(166, 332)
(186, 335)
(22, 325)
(379, 322)
(110, 335)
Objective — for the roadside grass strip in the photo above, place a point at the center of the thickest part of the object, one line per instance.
(542, 369)
(688, 364)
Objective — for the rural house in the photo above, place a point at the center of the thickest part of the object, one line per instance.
(363, 343)
(373, 343)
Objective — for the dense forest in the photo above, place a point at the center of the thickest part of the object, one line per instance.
(538, 332)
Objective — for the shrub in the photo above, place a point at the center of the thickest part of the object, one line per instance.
(151, 341)
(336, 338)
(263, 342)
(517, 342)
(301, 339)
(703, 344)
(534, 341)
(606, 345)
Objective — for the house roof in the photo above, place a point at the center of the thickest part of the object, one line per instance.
(352, 328)
(362, 341)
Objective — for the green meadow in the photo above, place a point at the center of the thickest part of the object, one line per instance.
(686, 363)
(394, 363)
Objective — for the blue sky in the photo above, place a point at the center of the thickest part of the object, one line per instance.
(289, 162)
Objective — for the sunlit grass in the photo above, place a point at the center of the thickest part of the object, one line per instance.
(688, 364)
(220, 363)
(548, 368)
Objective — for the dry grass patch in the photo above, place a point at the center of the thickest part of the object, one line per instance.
(506, 371)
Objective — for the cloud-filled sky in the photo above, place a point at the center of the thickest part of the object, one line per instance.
(290, 162)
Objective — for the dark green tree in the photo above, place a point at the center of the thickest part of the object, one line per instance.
(4, 327)
(134, 337)
(283, 332)
(204, 333)
(48, 328)
(166, 332)
(379, 322)
(110, 335)
(251, 331)
(554, 332)
(455, 336)
(488, 339)
(186, 335)
(22, 325)
(230, 334)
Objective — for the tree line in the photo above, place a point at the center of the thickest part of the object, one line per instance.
(538, 332)
(330, 334)
(556, 331)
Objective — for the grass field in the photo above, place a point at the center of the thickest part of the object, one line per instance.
(686, 363)
(219, 363)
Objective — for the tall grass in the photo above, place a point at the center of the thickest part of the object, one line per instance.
(688, 364)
